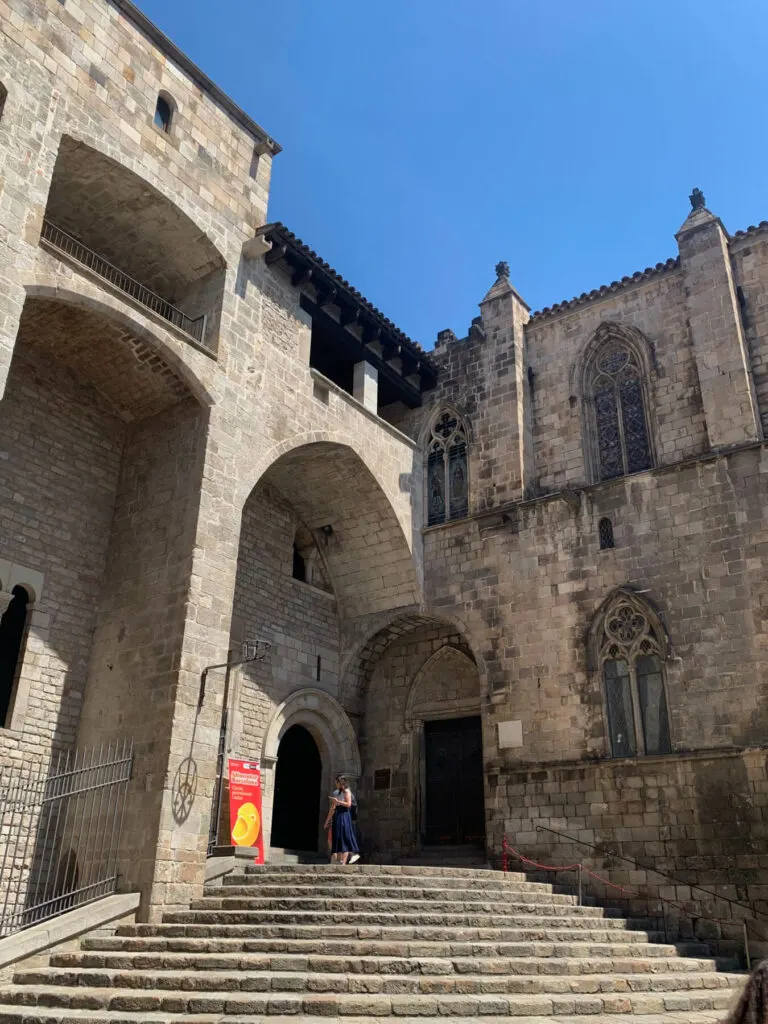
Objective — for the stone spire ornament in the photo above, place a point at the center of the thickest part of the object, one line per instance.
(697, 199)
(502, 271)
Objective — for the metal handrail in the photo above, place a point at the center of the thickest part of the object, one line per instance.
(649, 867)
(68, 245)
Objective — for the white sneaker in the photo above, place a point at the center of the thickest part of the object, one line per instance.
(354, 858)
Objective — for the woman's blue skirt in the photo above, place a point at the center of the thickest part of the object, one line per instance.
(343, 838)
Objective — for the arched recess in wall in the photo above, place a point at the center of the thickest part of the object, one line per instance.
(628, 649)
(445, 441)
(458, 693)
(421, 689)
(159, 258)
(131, 328)
(361, 541)
(613, 383)
(360, 662)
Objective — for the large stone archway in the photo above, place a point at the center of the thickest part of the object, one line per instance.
(328, 724)
(417, 679)
(324, 494)
(99, 496)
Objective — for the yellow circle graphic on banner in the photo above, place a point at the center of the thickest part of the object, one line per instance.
(246, 830)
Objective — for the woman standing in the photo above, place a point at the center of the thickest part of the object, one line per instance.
(344, 848)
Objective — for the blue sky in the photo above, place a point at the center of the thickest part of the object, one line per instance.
(425, 141)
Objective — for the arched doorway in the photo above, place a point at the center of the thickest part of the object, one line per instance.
(296, 807)
(12, 634)
(423, 738)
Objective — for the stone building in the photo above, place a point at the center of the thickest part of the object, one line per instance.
(514, 582)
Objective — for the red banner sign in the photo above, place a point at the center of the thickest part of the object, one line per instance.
(245, 806)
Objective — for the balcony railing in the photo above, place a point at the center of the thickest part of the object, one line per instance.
(69, 246)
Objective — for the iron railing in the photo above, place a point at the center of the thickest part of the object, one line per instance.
(68, 245)
(60, 833)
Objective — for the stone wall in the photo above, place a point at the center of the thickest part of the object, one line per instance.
(701, 818)
(60, 456)
(299, 621)
(132, 679)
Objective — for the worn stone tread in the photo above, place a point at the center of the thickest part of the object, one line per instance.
(211, 960)
(20, 1015)
(132, 945)
(347, 1004)
(431, 982)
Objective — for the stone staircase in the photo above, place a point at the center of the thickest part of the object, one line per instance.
(325, 941)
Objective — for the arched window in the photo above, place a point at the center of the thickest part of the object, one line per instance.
(617, 402)
(164, 112)
(605, 530)
(447, 470)
(630, 648)
(13, 626)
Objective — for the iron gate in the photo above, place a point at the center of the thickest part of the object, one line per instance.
(60, 830)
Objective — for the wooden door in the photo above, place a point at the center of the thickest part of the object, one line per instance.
(454, 809)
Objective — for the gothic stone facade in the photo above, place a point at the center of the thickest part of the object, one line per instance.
(536, 553)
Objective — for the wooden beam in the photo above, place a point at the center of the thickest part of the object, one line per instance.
(276, 253)
(301, 275)
(326, 297)
(349, 316)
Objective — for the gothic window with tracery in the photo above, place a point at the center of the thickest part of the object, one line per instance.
(631, 663)
(618, 396)
(447, 475)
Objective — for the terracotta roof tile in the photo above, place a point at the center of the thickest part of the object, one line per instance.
(279, 232)
(606, 289)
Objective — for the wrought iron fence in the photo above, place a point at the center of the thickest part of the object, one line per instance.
(70, 246)
(60, 830)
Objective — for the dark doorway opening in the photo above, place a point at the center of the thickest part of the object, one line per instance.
(296, 807)
(454, 799)
(12, 635)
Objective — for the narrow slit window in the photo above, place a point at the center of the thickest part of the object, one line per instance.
(299, 565)
(3, 98)
(163, 114)
(605, 529)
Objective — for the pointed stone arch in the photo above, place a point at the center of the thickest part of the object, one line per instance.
(463, 701)
(644, 607)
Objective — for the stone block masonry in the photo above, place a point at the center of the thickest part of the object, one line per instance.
(155, 483)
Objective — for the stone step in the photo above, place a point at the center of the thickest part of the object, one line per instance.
(207, 960)
(429, 982)
(349, 880)
(129, 945)
(347, 1004)
(245, 897)
(409, 915)
(19, 1015)
(279, 855)
(417, 931)
(383, 869)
